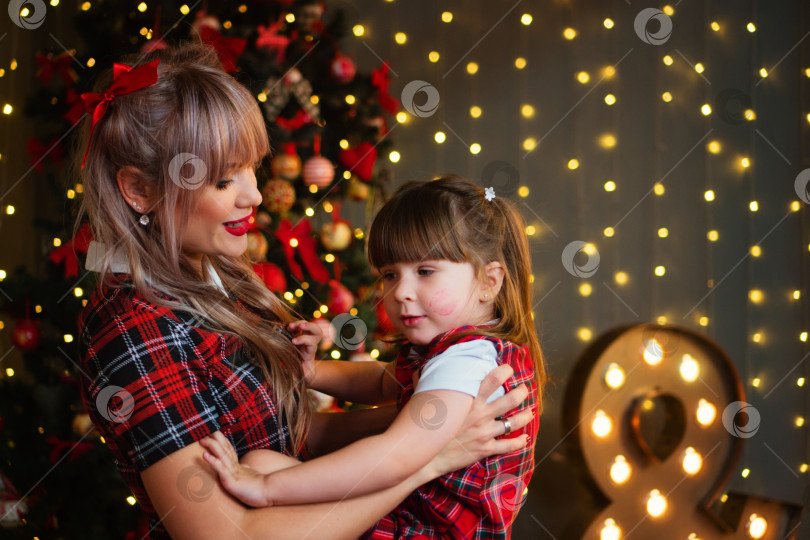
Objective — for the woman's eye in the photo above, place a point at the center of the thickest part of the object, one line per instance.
(222, 184)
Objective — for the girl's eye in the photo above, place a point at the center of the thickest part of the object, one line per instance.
(425, 271)
(222, 184)
(388, 276)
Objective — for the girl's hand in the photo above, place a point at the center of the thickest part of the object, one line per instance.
(307, 335)
(241, 481)
(476, 438)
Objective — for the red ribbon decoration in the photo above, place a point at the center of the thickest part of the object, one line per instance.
(50, 64)
(75, 106)
(380, 79)
(39, 151)
(295, 123)
(359, 160)
(306, 250)
(229, 49)
(126, 80)
(67, 252)
(76, 449)
(270, 38)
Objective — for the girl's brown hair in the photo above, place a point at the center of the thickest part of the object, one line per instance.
(194, 108)
(450, 218)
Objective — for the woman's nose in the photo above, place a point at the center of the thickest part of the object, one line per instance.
(251, 196)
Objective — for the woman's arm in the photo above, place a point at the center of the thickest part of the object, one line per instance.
(330, 431)
(423, 427)
(218, 515)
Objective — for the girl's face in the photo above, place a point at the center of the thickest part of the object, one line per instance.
(219, 223)
(427, 298)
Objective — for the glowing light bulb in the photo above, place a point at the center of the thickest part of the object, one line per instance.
(573, 164)
(663, 232)
(475, 111)
(709, 195)
(714, 147)
(472, 68)
(751, 28)
(620, 470)
(660, 271)
(602, 425)
(659, 189)
(669, 10)
(529, 144)
(763, 72)
(583, 77)
(585, 289)
(756, 526)
(692, 461)
(610, 99)
(527, 111)
(394, 156)
(610, 531)
(666, 96)
(569, 33)
(715, 26)
(703, 321)
(608, 23)
(745, 162)
(706, 412)
(447, 17)
(610, 185)
(653, 352)
(607, 141)
(358, 30)
(439, 137)
(475, 148)
(621, 278)
(706, 109)
(401, 38)
(755, 251)
(584, 334)
(526, 19)
(753, 206)
(690, 369)
(656, 503)
(433, 56)
(520, 62)
(668, 61)
(614, 376)
(68, 338)
(699, 68)
(712, 236)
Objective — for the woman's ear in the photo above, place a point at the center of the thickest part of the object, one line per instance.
(493, 279)
(134, 190)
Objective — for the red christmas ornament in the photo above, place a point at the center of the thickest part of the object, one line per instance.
(342, 69)
(26, 335)
(340, 300)
(318, 171)
(272, 276)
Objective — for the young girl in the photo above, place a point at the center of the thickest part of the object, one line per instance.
(456, 271)
(181, 339)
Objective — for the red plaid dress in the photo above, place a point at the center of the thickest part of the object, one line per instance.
(482, 500)
(155, 382)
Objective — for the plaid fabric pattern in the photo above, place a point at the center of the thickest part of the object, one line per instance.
(482, 500)
(156, 382)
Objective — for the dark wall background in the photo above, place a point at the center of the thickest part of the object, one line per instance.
(657, 142)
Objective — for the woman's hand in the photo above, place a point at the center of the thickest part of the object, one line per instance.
(307, 335)
(476, 438)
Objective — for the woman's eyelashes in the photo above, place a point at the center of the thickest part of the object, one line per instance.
(223, 184)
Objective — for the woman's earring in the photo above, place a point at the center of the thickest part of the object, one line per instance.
(486, 296)
(144, 220)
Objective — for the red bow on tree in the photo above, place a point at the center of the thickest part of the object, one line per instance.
(359, 160)
(380, 79)
(302, 233)
(126, 80)
(50, 64)
(67, 252)
(76, 449)
(295, 123)
(75, 106)
(270, 38)
(228, 49)
(39, 151)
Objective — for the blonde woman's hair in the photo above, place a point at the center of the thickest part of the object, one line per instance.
(194, 108)
(450, 218)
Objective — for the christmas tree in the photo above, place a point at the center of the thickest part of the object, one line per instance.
(326, 122)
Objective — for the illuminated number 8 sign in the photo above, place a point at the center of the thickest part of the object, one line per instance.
(647, 404)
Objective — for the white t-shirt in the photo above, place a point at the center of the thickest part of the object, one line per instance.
(460, 367)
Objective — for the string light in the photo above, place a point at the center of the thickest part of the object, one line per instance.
(475, 111)
(585, 289)
(527, 111)
(614, 376)
(569, 33)
(706, 413)
(520, 62)
(753, 206)
(433, 56)
(715, 26)
(402, 117)
(621, 278)
(666, 96)
(609, 232)
(447, 16)
(439, 137)
(668, 61)
(583, 77)
(656, 503)
(610, 99)
(608, 23)
(751, 28)
(659, 189)
(709, 195)
(692, 461)
(714, 147)
(358, 30)
(472, 68)
(529, 144)
(400, 38)
(663, 232)
(745, 473)
(584, 334)
(756, 526)
(602, 425)
(475, 148)
(573, 164)
(660, 271)
(610, 185)
(526, 19)
(706, 109)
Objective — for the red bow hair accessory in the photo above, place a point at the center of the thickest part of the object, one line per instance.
(126, 80)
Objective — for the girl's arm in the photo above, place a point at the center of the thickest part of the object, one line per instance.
(330, 431)
(370, 383)
(422, 428)
(218, 515)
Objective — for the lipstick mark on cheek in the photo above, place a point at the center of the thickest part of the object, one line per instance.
(442, 303)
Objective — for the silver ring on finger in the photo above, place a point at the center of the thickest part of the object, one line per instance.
(507, 427)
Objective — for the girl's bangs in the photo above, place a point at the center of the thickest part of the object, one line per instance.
(412, 230)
